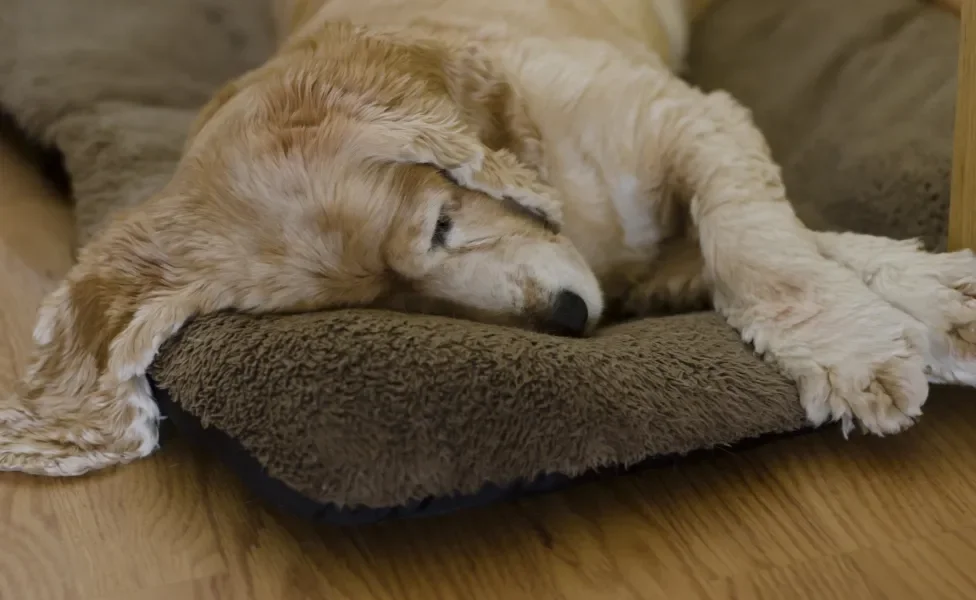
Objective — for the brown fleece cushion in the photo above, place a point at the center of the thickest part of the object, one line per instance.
(376, 409)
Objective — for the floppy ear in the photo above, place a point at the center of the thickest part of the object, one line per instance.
(468, 163)
(85, 402)
(472, 135)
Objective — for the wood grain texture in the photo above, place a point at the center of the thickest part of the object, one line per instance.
(35, 250)
(962, 211)
(810, 517)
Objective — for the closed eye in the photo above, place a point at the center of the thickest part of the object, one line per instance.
(533, 213)
(441, 229)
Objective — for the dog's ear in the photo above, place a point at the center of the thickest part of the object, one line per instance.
(84, 402)
(452, 148)
(471, 134)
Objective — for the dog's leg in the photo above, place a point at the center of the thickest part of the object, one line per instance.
(938, 290)
(855, 357)
(674, 283)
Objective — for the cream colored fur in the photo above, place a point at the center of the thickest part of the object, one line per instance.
(480, 159)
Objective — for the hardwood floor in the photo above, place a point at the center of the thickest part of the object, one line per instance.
(809, 517)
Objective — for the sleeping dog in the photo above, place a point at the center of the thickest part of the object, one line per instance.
(535, 163)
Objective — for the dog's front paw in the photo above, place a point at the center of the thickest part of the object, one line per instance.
(856, 359)
(867, 367)
(938, 290)
(880, 395)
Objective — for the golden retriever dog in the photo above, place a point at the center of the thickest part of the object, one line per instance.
(536, 163)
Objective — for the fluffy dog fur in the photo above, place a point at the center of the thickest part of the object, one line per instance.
(488, 160)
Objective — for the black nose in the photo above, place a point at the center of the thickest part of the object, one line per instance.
(568, 316)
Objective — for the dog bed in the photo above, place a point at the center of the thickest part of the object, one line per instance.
(358, 415)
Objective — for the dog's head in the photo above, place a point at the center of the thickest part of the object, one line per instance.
(385, 166)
